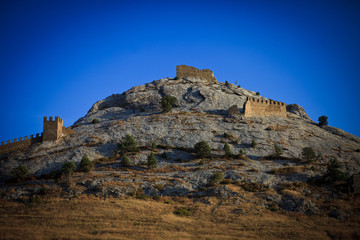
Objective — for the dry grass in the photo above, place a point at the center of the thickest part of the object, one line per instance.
(93, 218)
(285, 170)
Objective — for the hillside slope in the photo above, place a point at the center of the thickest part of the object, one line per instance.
(201, 115)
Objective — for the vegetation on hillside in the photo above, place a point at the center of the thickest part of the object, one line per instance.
(128, 144)
(202, 149)
(85, 164)
(168, 103)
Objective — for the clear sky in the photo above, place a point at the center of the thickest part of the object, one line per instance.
(60, 57)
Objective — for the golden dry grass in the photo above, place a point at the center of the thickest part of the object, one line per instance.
(94, 218)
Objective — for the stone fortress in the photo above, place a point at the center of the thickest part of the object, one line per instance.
(53, 130)
(254, 107)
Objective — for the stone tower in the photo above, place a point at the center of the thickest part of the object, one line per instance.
(52, 129)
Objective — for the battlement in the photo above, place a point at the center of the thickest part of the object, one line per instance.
(265, 108)
(265, 101)
(183, 71)
(20, 143)
(53, 129)
(57, 119)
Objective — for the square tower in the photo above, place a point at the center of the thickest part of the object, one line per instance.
(52, 129)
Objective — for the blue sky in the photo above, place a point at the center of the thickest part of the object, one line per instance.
(60, 57)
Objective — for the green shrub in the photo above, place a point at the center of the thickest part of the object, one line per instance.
(68, 168)
(257, 93)
(183, 212)
(85, 164)
(333, 172)
(226, 83)
(227, 150)
(323, 121)
(216, 178)
(125, 162)
(226, 135)
(151, 161)
(201, 162)
(95, 120)
(241, 152)
(253, 143)
(278, 151)
(308, 154)
(20, 172)
(128, 144)
(153, 145)
(168, 102)
(202, 149)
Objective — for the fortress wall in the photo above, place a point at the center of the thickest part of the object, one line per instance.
(19, 144)
(67, 131)
(183, 71)
(265, 108)
(52, 129)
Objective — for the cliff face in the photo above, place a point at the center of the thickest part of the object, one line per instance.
(201, 115)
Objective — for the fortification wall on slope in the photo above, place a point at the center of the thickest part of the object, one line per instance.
(264, 108)
(53, 129)
(20, 144)
(183, 71)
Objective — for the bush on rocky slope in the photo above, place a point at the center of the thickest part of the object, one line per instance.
(202, 149)
(151, 161)
(168, 102)
(85, 164)
(20, 172)
(128, 144)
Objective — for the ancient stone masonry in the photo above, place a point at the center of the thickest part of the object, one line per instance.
(52, 131)
(264, 108)
(183, 71)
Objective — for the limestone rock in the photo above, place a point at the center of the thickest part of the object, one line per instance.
(233, 110)
(297, 110)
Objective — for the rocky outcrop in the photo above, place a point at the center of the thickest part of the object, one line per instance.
(204, 112)
(297, 110)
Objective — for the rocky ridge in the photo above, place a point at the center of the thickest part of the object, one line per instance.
(201, 114)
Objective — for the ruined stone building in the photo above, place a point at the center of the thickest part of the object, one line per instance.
(53, 130)
(183, 71)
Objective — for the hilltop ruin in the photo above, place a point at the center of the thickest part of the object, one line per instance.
(183, 71)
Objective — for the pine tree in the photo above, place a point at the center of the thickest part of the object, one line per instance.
(151, 161)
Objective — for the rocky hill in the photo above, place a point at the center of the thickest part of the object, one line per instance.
(266, 152)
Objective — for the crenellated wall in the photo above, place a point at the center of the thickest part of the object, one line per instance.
(53, 129)
(20, 144)
(264, 108)
(183, 71)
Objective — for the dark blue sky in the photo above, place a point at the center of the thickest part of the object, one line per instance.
(60, 57)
